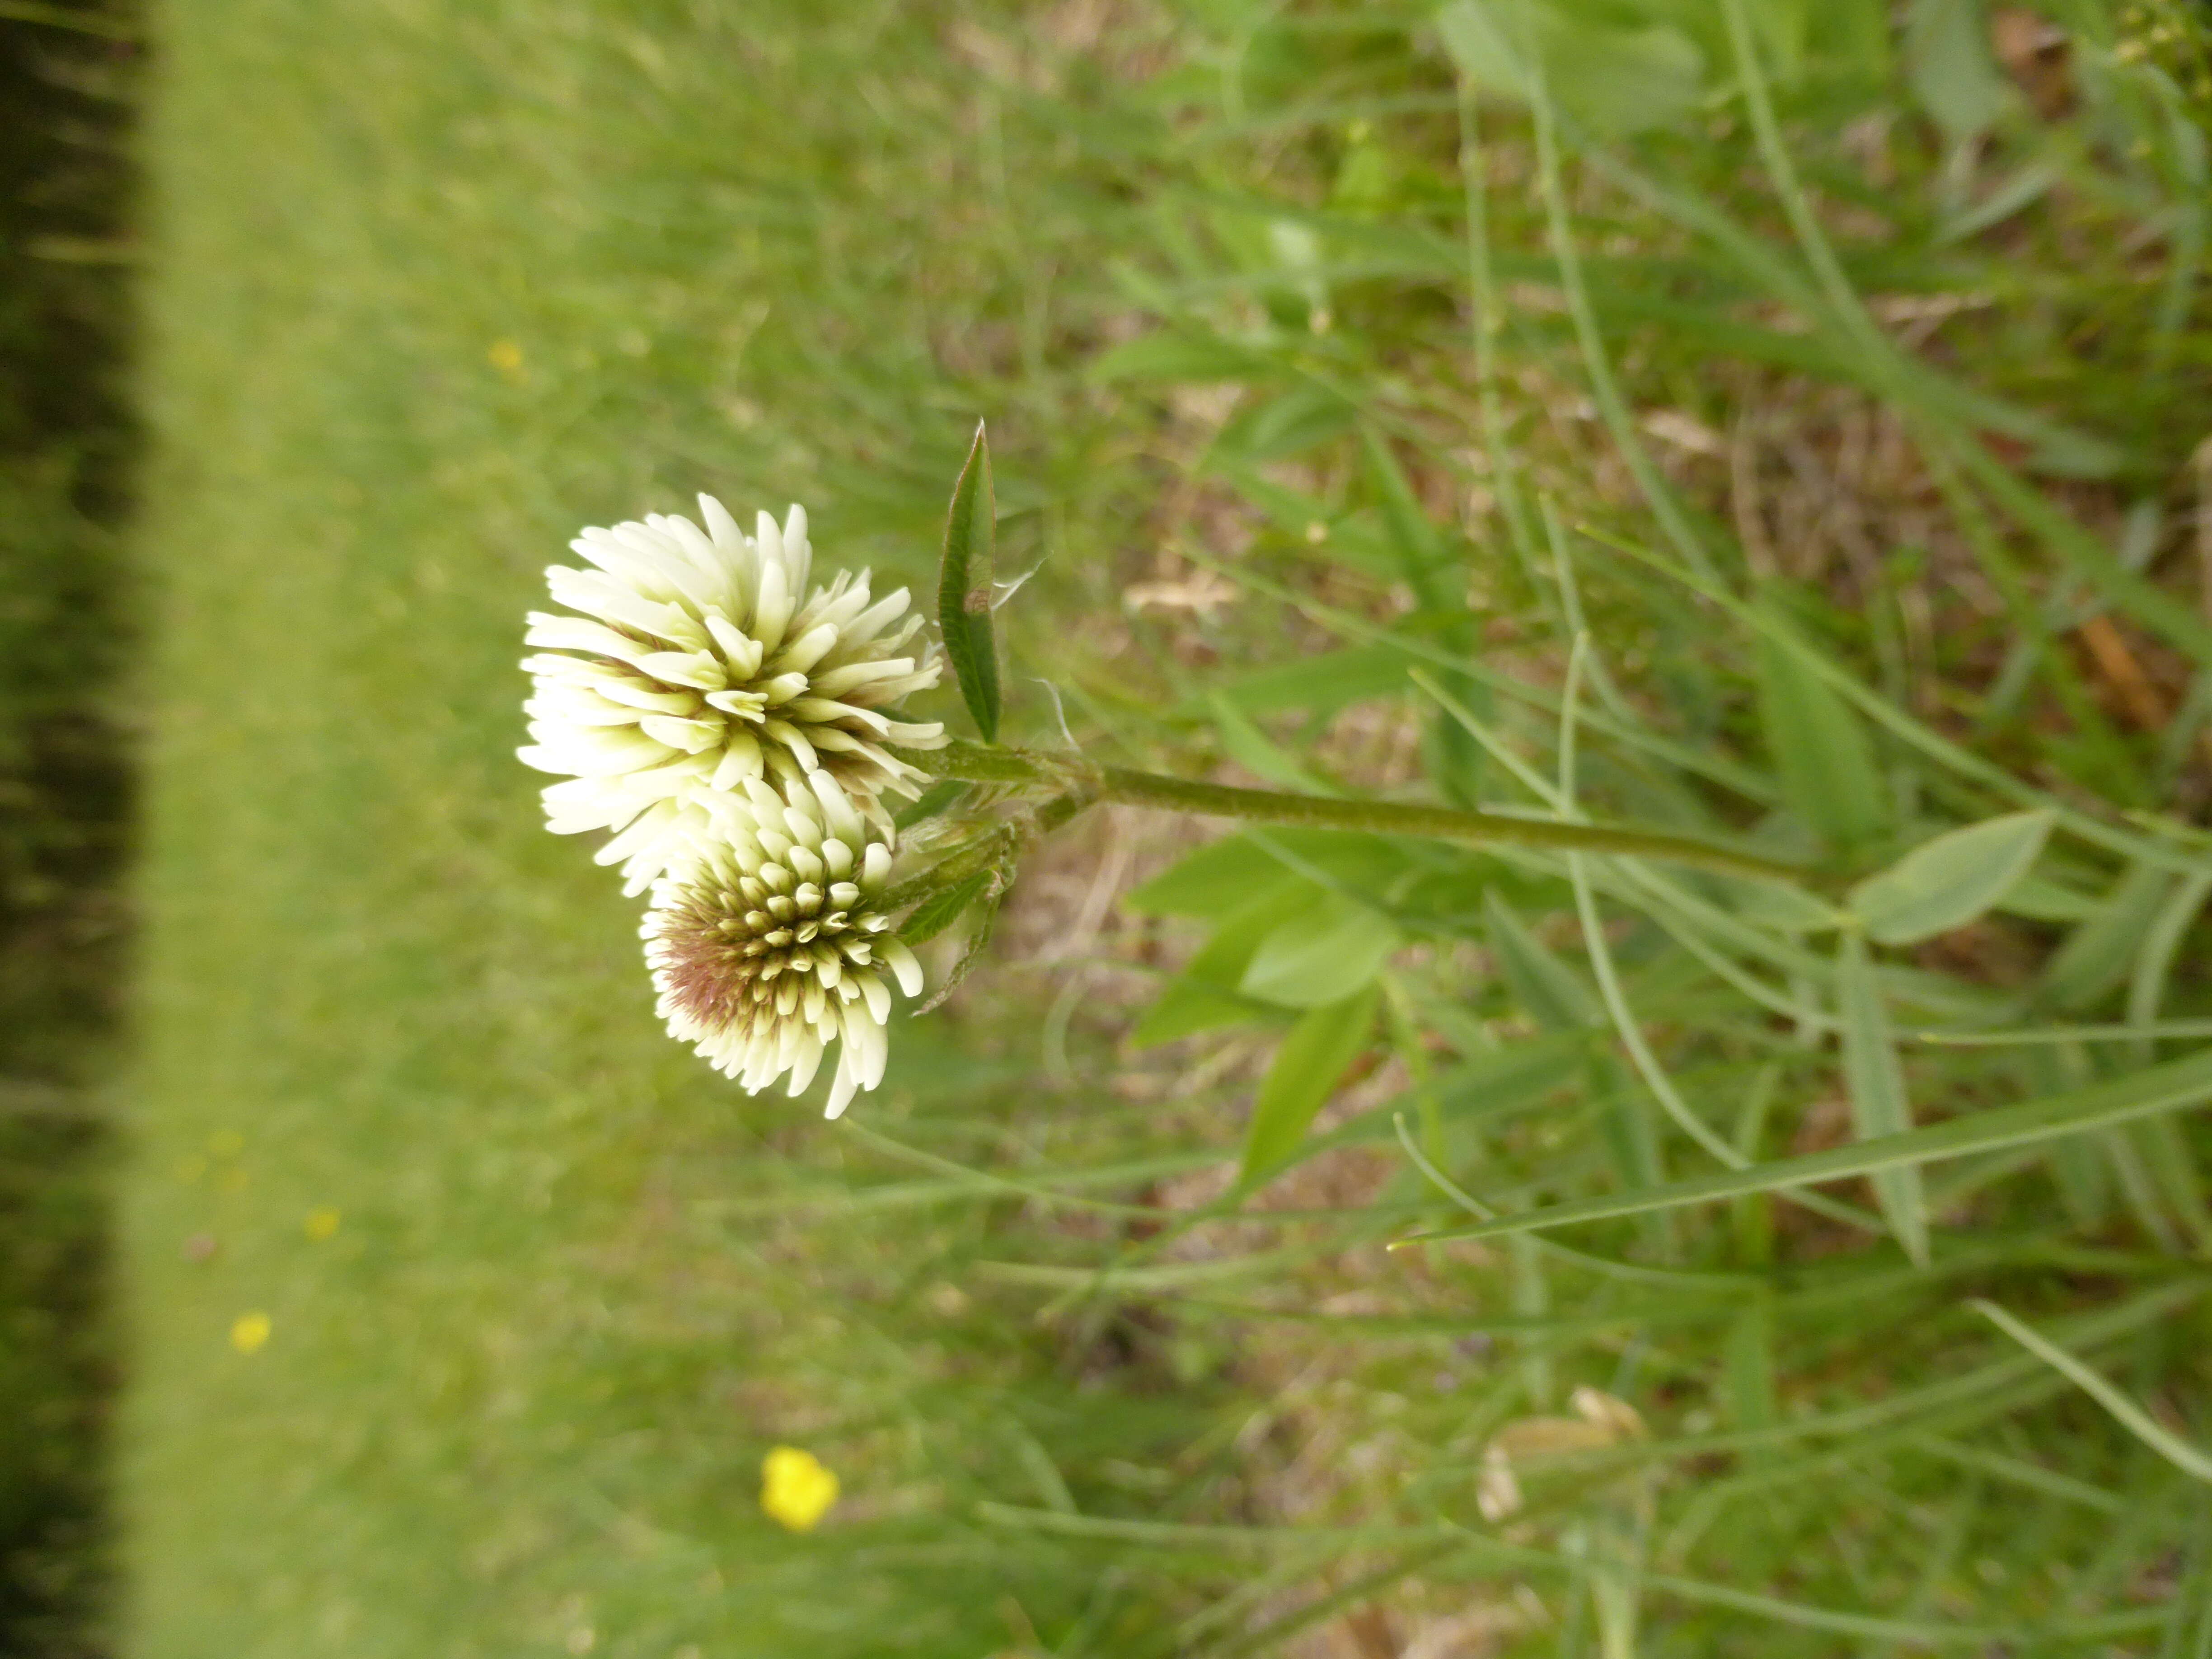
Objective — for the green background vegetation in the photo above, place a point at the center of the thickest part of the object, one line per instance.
(427, 286)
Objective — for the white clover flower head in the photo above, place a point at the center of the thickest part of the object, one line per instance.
(702, 663)
(770, 946)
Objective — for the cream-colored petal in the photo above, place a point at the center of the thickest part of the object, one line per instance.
(740, 649)
(900, 958)
(878, 993)
(879, 616)
(804, 1065)
(798, 550)
(792, 738)
(647, 699)
(720, 527)
(700, 670)
(847, 1084)
(800, 654)
(836, 682)
(771, 606)
(741, 761)
(746, 705)
(782, 688)
(692, 737)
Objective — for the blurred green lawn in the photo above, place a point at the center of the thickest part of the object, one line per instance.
(434, 284)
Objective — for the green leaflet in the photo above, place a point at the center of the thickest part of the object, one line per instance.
(1612, 78)
(1827, 763)
(1281, 940)
(1455, 758)
(1191, 1005)
(1213, 884)
(2040, 899)
(1947, 50)
(963, 587)
(1420, 548)
(1321, 955)
(1176, 358)
(1205, 994)
(1948, 882)
(941, 910)
(1223, 876)
(2165, 1088)
(1877, 1084)
(1313, 1056)
(1779, 906)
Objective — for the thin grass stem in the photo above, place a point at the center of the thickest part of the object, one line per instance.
(2134, 1419)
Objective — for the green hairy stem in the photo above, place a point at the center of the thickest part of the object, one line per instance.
(1081, 781)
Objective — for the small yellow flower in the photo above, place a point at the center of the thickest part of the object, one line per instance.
(320, 1224)
(795, 1489)
(506, 356)
(226, 1143)
(249, 1331)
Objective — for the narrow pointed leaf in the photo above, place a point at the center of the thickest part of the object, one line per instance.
(1750, 1361)
(1258, 753)
(1948, 882)
(1876, 1083)
(939, 797)
(1546, 988)
(1820, 750)
(2097, 955)
(1313, 1057)
(963, 588)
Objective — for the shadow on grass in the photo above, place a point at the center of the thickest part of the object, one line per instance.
(66, 449)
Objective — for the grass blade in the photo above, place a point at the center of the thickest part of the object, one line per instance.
(2098, 953)
(1186, 1536)
(1876, 1082)
(2177, 1083)
(2154, 957)
(1597, 364)
(2130, 1416)
(1905, 727)
(1543, 987)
